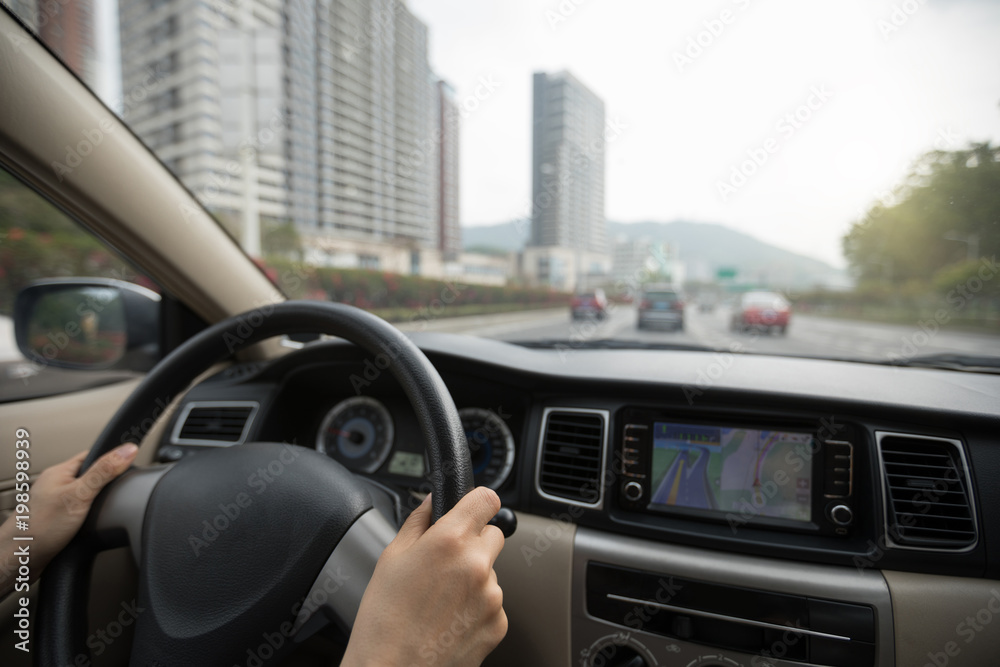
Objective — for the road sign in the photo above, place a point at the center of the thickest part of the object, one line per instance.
(726, 273)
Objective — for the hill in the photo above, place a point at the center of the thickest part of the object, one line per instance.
(702, 247)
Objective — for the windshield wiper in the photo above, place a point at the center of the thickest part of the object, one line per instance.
(971, 363)
(607, 344)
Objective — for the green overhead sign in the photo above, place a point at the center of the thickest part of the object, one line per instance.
(725, 273)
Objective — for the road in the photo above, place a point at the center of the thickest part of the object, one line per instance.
(807, 335)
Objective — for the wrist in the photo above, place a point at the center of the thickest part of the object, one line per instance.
(373, 658)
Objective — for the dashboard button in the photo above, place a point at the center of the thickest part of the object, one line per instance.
(170, 454)
(632, 491)
(841, 515)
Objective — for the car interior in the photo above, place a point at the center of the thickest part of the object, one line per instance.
(867, 535)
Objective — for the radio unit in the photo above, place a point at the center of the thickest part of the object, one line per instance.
(792, 477)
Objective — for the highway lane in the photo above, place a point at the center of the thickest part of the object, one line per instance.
(808, 335)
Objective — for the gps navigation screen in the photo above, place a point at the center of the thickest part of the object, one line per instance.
(766, 473)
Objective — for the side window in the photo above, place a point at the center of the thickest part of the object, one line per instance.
(38, 242)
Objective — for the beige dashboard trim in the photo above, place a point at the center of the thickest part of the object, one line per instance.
(535, 572)
(60, 427)
(932, 619)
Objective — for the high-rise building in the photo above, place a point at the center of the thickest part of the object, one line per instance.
(319, 113)
(65, 26)
(636, 261)
(26, 10)
(203, 85)
(68, 28)
(568, 249)
(567, 165)
(376, 123)
(448, 216)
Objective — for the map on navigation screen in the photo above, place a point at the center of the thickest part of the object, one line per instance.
(763, 473)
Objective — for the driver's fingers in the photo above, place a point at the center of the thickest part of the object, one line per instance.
(474, 510)
(104, 470)
(494, 539)
(415, 525)
(72, 465)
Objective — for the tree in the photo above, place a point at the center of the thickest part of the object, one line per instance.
(951, 204)
(281, 237)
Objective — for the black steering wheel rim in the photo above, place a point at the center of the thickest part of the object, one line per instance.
(66, 583)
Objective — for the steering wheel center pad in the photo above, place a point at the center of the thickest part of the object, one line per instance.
(284, 508)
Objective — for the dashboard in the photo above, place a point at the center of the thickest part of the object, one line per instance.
(840, 470)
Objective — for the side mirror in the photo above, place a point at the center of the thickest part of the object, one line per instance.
(88, 324)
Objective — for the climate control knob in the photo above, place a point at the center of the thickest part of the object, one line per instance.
(616, 655)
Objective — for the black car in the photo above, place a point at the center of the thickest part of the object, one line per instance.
(661, 306)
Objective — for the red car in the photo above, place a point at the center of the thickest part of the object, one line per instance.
(763, 311)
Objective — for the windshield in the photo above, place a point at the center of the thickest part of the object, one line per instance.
(482, 167)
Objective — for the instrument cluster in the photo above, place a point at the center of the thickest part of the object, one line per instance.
(361, 433)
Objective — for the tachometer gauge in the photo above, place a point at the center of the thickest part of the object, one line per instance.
(357, 432)
(491, 446)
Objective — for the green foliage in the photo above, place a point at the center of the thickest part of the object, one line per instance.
(949, 194)
(84, 325)
(914, 256)
(970, 274)
(376, 290)
(38, 241)
(280, 237)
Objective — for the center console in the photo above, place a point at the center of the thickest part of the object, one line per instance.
(639, 603)
(750, 479)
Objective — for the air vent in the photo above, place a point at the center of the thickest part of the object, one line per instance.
(217, 423)
(928, 498)
(571, 455)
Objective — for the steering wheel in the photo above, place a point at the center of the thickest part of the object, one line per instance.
(240, 548)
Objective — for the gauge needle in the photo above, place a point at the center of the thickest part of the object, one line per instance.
(353, 436)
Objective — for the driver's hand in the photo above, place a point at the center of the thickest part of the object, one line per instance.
(59, 502)
(434, 597)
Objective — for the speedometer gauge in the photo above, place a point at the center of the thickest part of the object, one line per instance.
(358, 433)
(491, 446)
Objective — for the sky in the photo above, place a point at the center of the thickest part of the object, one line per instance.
(784, 119)
(695, 89)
